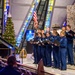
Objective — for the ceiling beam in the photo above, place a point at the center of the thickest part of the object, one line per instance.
(63, 7)
(19, 4)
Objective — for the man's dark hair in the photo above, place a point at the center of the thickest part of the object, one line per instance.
(69, 26)
(11, 60)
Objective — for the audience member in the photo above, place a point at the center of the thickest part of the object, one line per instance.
(11, 68)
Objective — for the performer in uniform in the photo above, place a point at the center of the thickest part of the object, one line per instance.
(39, 46)
(63, 50)
(70, 36)
(48, 49)
(56, 52)
(43, 48)
(35, 46)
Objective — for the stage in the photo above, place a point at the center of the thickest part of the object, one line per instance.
(29, 62)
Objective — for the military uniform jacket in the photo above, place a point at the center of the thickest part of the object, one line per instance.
(63, 42)
(70, 36)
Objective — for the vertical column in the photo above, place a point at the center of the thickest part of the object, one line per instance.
(71, 16)
(1, 8)
(6, 11)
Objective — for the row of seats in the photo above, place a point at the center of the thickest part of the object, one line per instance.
(24, 70)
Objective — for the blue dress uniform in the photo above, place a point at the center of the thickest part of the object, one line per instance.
(70, 36)
(56, 53)
(48, 53)
(35, 46)
(43, 51)
(63, 50)
(39, 49)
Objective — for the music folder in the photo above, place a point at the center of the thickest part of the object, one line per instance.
(56, 42)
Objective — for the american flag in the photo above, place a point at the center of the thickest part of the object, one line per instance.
(35, 16)
(35, 19)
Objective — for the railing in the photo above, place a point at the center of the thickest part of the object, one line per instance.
(25, 68)
(7, 44)
(49, 14)
(26, 23)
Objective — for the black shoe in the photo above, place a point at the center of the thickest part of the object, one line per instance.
(63, 69)
(45, 65)
(53, 67)
(72, 64)
(34, 63)
(48, 65)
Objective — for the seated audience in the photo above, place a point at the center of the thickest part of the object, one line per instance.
(10, 68)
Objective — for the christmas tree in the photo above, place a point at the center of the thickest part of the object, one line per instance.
(9, 34)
